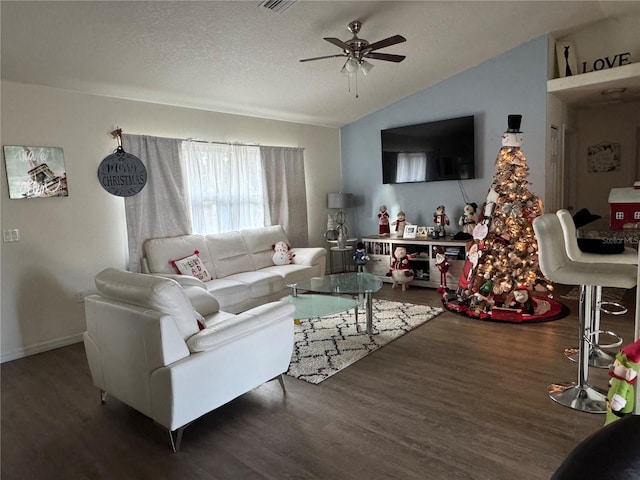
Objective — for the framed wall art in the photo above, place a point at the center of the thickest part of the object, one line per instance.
(35, 172)
(567, 63)
(410, 231)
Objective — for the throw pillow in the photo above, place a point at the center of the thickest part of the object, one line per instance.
(193, 266)
(200, 319)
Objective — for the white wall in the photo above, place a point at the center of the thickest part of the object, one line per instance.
(616, 123)
(64, 242)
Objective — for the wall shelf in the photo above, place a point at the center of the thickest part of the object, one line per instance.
(586, 88)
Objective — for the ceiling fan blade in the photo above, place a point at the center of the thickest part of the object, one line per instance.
(387, 42)
(385, 56)
(339, 43)
(326, 56)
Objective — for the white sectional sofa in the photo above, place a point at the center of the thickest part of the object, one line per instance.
(241, 263)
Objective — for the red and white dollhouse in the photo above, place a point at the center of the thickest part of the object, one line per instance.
(624, 204)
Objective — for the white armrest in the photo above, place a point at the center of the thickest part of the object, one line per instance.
(308, 255)
(231, 328)
(183, 280)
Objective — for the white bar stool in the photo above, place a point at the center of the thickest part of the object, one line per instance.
(597, 356)
(556, 265)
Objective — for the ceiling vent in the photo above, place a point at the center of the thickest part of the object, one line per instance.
(278, 6)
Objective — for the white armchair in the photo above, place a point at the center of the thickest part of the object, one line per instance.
(145, 347)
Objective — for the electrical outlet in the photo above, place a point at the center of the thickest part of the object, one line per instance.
(12, 235)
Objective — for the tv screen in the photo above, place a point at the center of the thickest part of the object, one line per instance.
(429, 152)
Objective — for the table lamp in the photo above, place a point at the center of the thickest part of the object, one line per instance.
(340, 201)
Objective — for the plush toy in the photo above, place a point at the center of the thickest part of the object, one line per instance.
(282, 254)
(441, 220)
(360, 258)
(400, 270)
(383, 221)
(443, 266)
(624, 375)
(520, 298)
(469, 218)
(399, 223)
(465, 282)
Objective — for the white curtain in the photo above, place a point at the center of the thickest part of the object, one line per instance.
(411, 167)
(224, 186)
(285, 192)
(159, 209)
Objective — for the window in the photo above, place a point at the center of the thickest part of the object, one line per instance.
(224, 186)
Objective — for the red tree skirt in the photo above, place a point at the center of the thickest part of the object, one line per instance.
(555, 311)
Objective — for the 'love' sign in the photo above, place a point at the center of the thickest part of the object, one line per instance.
(618, 60)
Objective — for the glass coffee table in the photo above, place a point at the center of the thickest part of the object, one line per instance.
(364, 285)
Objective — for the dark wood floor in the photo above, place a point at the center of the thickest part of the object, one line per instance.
(454, 399)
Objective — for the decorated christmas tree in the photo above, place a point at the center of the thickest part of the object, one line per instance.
(503, 260)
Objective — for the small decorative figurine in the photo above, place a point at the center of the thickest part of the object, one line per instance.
(443, 266)
(360, 258)
(282, 254)
(383, 221)
(520, 298)
(399, 223)
(469, 218)
(400, 270)
(466, 276)
(441, 220)
(624, 375)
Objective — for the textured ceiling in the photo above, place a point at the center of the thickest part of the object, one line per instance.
(238, 57)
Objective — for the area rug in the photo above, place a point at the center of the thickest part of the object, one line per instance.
(609, 294)
(324, 346)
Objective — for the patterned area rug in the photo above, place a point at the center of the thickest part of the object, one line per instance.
(324, 346)
(609, 294)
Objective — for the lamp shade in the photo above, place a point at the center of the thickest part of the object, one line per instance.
(339, 200)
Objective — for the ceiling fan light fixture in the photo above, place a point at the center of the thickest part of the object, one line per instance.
(365, 67)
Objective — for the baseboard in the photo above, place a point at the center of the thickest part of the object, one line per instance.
(41, 347)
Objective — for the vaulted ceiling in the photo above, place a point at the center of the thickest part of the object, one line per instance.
(241, 57)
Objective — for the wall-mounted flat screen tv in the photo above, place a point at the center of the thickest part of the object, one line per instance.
(429, 152)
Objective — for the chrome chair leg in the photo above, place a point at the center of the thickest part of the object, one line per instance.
(580, 395)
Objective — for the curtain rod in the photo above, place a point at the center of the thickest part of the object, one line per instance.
(118, 134)
(222, 143)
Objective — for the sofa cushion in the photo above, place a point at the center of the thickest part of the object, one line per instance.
(259, 243)
(260, 284)
(158, 293)
(227, 292)
(291, 273)
(160, 251)
(228, 254)
(192, 266)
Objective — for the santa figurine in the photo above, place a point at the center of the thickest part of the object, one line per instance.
(624, 375)
(520, 299)
(383, 221)
(441, 220)
(443, 266)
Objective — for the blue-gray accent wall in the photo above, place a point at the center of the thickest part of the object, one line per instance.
(512, 83)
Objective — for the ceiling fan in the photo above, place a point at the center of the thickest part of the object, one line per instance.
(358, 50)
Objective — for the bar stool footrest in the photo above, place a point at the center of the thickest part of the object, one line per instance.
(598, 358)
(622, 309)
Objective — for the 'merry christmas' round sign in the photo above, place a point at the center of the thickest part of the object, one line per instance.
(122, 174)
